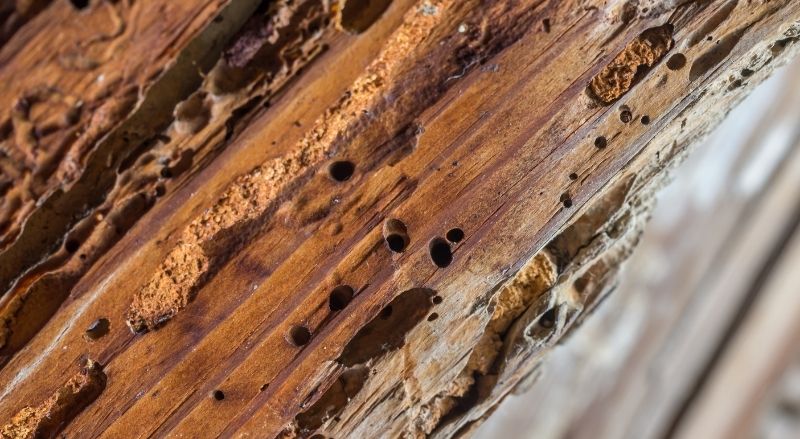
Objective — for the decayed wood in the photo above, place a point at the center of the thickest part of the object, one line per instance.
(47, 419)
(385, 242)
(639, 359)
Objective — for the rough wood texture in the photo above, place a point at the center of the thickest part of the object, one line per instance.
(264, 226)
(641, 361)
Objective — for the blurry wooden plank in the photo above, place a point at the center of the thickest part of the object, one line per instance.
(779, 414)
(762, 347)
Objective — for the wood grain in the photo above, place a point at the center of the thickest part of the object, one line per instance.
(471, 115)
(694, 278)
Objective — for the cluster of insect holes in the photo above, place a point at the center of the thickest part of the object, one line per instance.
(675, 62)
(396, 238)
(339, 297)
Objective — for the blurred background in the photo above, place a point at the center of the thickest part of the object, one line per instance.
(701, 338)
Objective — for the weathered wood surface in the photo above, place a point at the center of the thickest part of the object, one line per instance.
(641, 361)
(210, 217)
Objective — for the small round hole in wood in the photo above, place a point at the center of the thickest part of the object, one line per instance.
(299, 335)
(676, 62)
(219, 395)
(396, 243)
(566, 200)
(340, 297)
(72, 245)
(98, 328)
(341, 170)
(395, 234)
(600, 142)
(440, 252)
(455, 235)
(548, 319)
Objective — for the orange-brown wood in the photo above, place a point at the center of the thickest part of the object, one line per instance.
(304, 143)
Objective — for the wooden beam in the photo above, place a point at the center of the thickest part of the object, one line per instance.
(473, 172)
